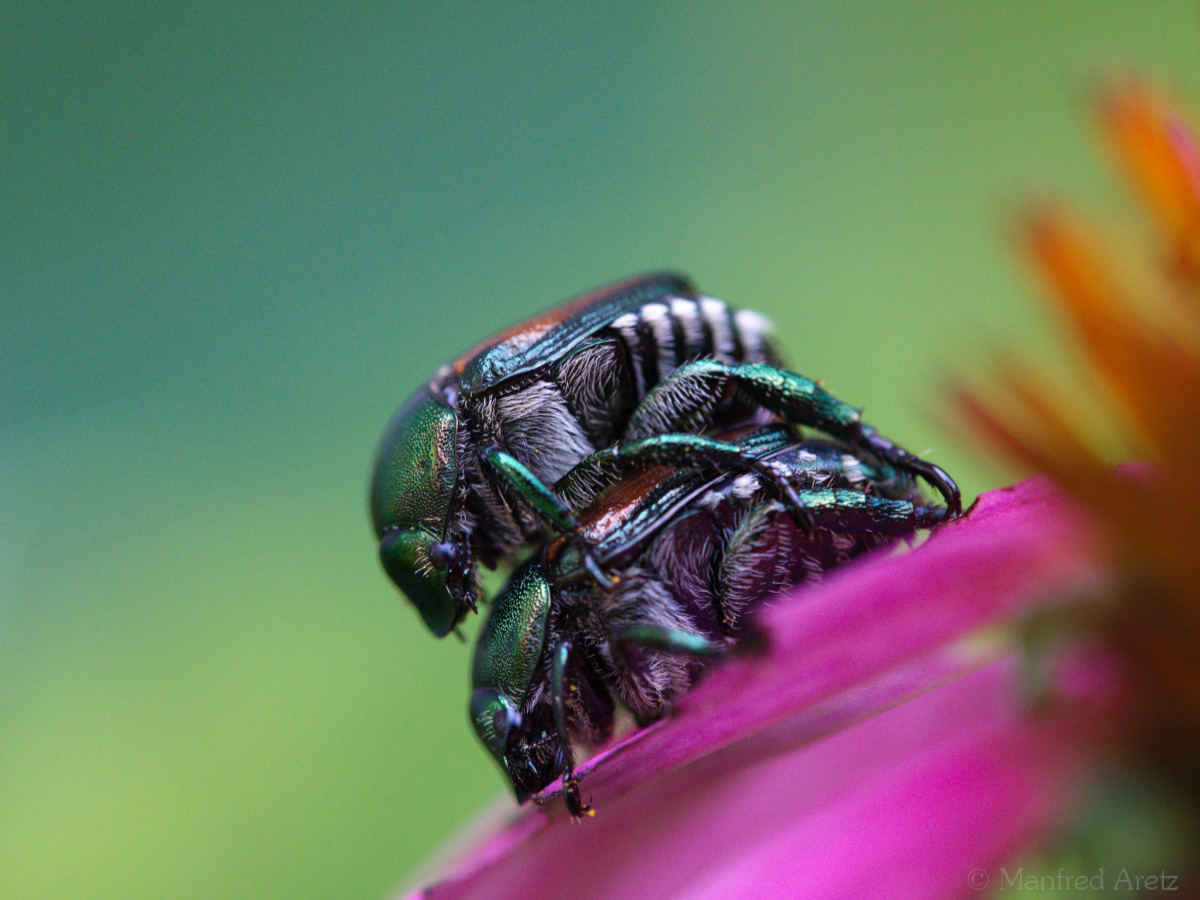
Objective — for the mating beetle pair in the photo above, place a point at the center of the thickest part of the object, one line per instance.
(467, 471)
(599, 432)
(693, 553)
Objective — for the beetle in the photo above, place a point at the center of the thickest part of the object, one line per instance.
(467, 469)
(695, 552)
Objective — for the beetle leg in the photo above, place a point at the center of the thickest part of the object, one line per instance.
(685, 399)
(559, 688)
(522, 484)
(761, 560)
(669, 640)
(756, 563)
(691, 450)
(848, 511)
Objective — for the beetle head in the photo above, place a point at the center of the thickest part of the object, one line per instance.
(508, 652)
(526, 747)
(412, 498)
(496, 720)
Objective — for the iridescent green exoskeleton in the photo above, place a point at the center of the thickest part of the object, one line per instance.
(464, 472)
(479, 463)
(694, 551)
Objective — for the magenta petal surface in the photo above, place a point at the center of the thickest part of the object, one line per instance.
(867, 751)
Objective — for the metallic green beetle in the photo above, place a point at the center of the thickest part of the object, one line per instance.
(695, 552)
(468, 470)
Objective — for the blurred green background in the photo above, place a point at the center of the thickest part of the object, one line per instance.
(235, 239)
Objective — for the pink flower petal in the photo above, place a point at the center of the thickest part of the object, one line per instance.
(861, 752)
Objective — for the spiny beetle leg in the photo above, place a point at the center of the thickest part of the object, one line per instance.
(935, 476)
(522, 484)
(750, 564)
(684, 398)
(689, 395)
(558, 696)
(856, 512)
(693, 450)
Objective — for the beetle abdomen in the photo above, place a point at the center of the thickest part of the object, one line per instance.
(663, 335)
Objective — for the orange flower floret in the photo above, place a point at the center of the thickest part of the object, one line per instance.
(1160, 153)
(1142, 340)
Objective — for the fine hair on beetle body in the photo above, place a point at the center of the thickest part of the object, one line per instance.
(485, 460)
(465, 470)
(694, 553)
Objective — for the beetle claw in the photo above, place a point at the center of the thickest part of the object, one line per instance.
(602, 578)
(575, 805)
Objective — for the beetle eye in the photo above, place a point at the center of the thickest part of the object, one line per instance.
(443, 556)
